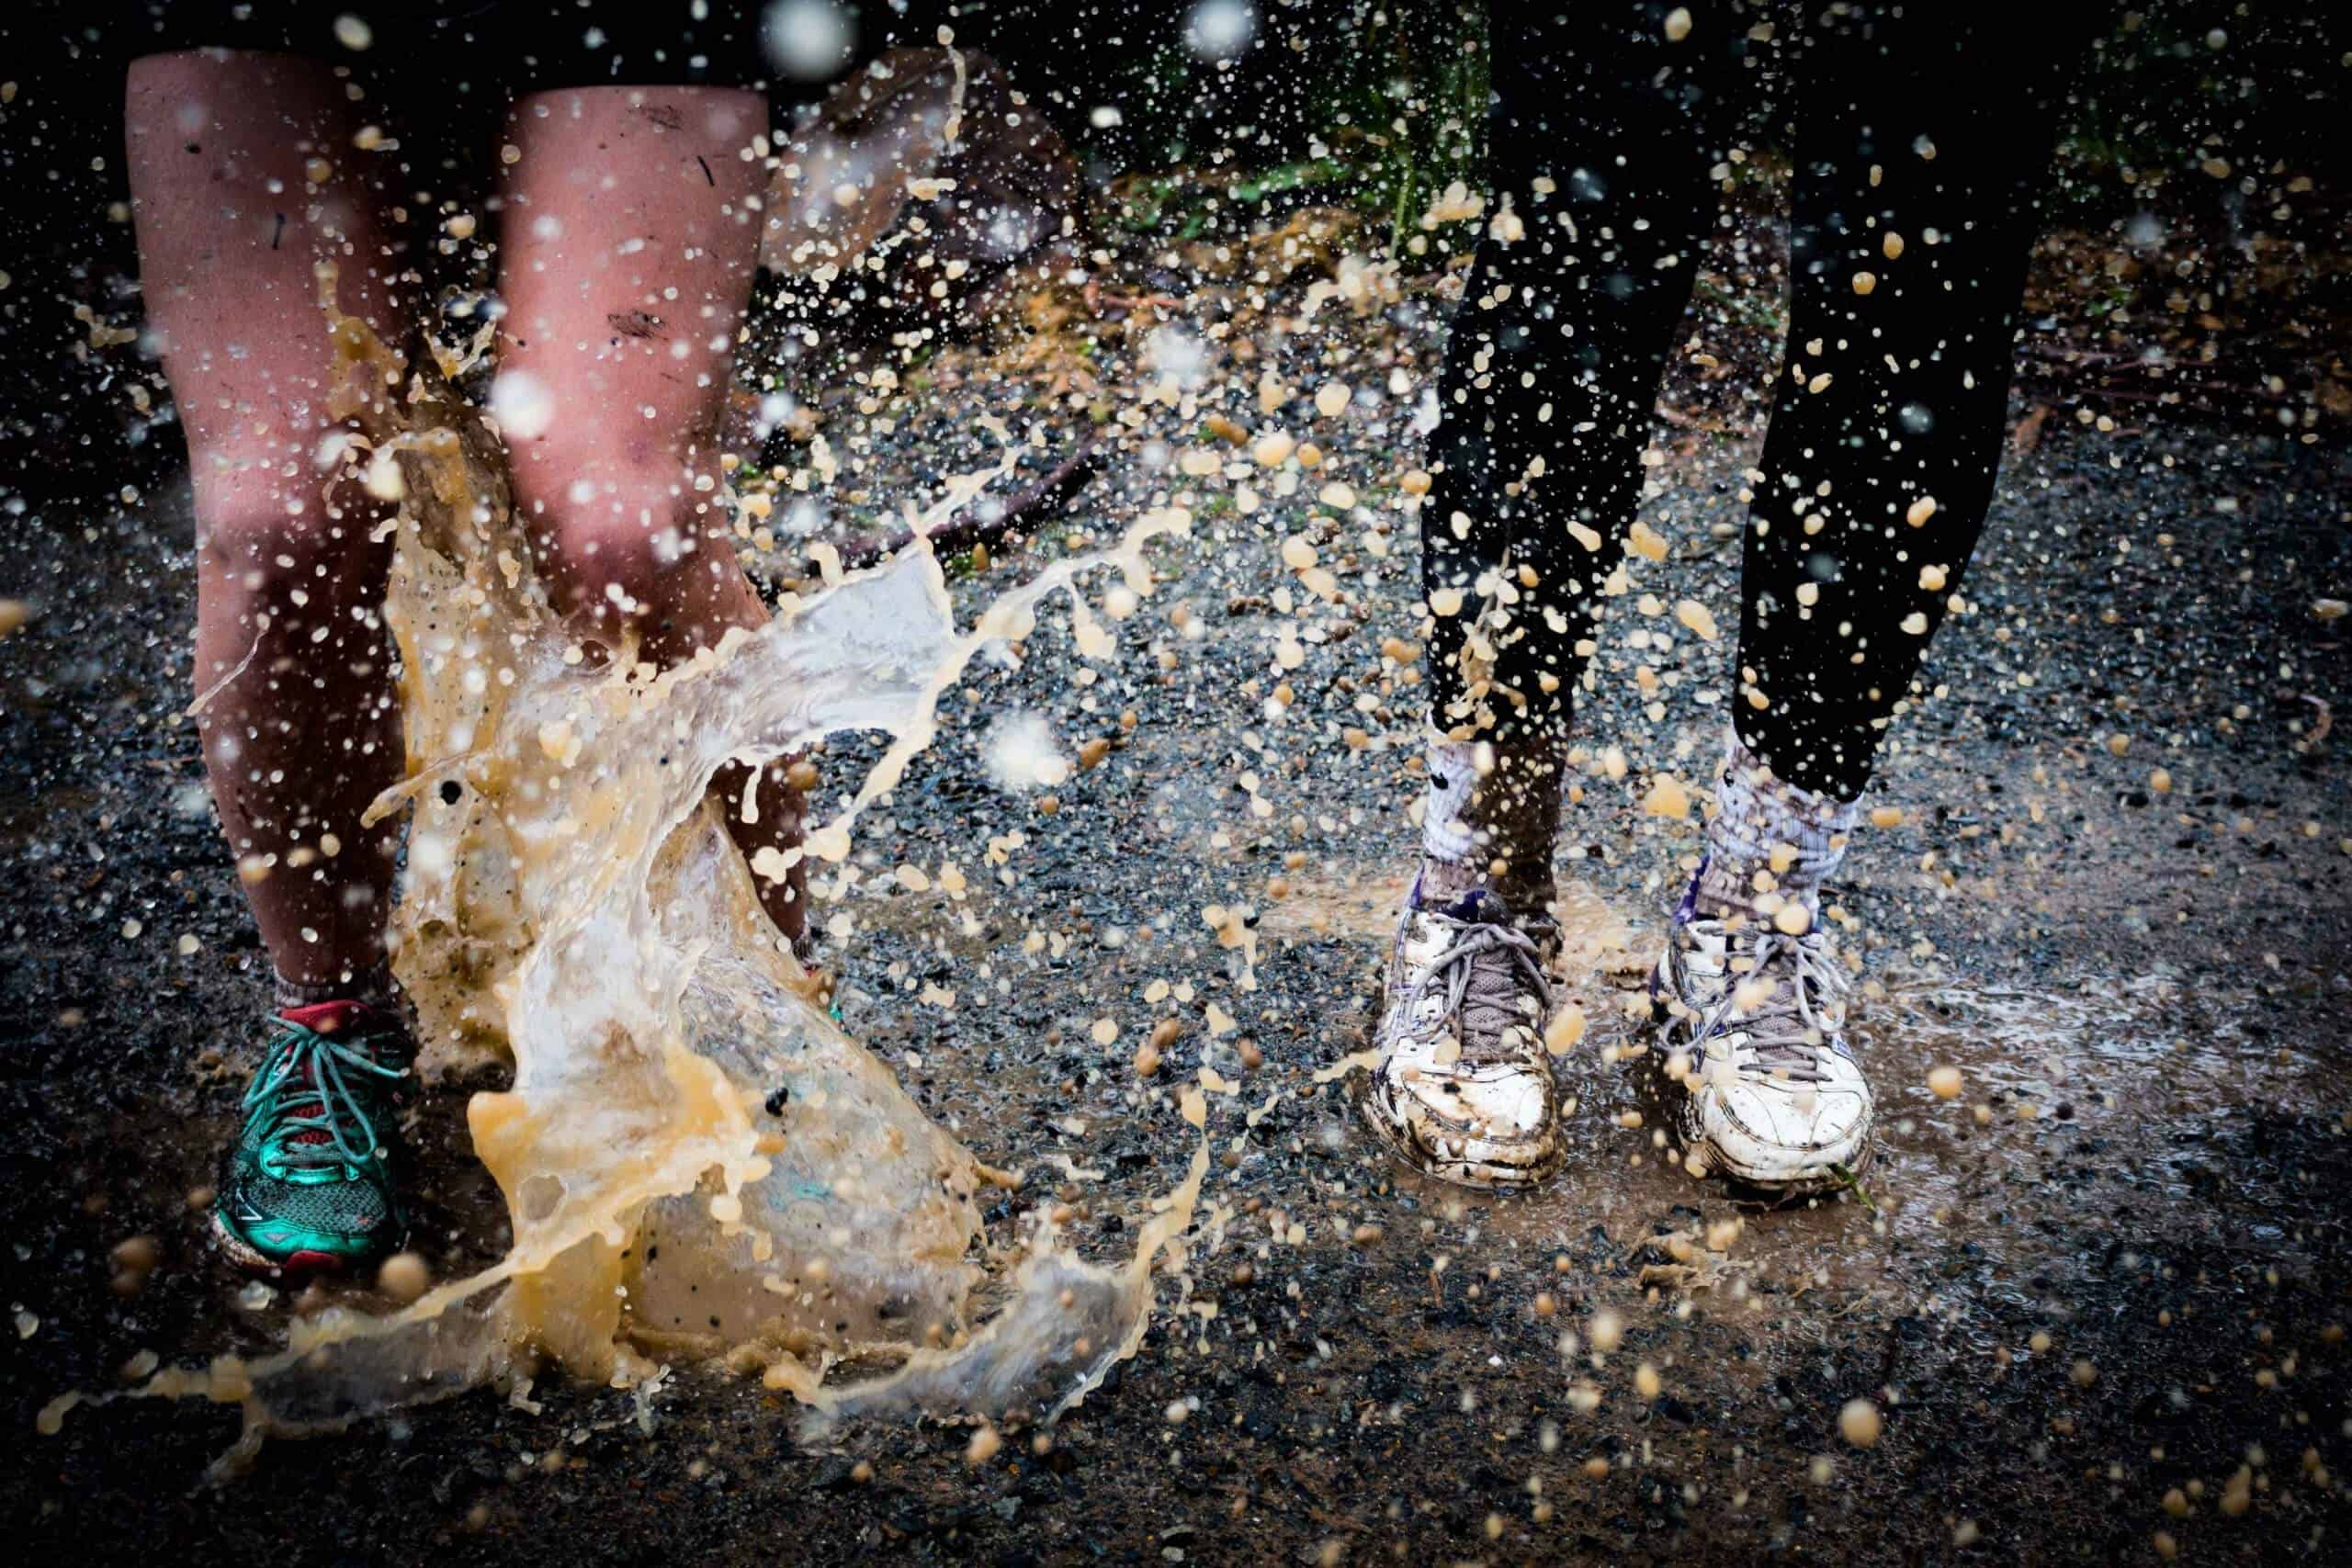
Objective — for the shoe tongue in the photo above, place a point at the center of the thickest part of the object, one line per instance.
(326, 1018)
(1480, 906)
(337, 1019)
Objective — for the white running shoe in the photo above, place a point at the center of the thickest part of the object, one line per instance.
(1463, 1088)
(1754, 1067)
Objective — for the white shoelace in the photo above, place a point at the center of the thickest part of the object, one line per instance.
(1480, 968)
(1787, 1034)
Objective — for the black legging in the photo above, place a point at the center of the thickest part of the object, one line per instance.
(1915, 136)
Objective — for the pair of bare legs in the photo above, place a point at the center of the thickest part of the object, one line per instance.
(625, 265)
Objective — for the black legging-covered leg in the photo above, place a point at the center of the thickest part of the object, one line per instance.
(1908, 126)
(1551, 378)
(1921, 151)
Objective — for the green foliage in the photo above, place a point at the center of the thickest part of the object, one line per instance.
(1409, 111)
(2176, 82)
(1377, 106)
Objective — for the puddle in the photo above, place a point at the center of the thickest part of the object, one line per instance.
(697, 1163)
(2056, 1084)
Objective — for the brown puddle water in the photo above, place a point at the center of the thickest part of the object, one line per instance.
(697, 1163)
(2046, 1074)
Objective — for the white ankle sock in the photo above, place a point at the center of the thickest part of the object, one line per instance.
(1446, 832)
(1756, 814)
(1472, 818)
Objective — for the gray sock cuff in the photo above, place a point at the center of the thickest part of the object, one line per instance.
(1446, 832)
(1756, 813)
(372, 985)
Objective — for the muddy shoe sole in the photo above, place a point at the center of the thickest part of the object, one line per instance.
(246, 1258)
(1406, 1142)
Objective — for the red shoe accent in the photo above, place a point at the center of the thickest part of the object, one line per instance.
(306, 1261)
(326, 1018)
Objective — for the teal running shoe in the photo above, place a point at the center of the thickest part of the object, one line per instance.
(309, 1187)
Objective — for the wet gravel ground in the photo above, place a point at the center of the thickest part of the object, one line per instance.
(2097, 1299)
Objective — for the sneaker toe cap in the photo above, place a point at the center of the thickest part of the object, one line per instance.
(1773, 1132)
(1492, 1102)
(1490, 1127)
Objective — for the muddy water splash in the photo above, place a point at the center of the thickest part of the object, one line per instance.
(697, 1163)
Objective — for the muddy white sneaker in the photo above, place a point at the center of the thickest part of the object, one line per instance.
(1464, 1090)
(1758, 1083)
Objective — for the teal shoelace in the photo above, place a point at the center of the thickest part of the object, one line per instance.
(310, 1125)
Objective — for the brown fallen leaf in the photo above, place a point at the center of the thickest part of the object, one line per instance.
(2028, 434)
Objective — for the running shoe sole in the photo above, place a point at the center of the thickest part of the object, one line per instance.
(303, 1264)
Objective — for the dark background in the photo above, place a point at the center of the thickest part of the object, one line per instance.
(1335, 74)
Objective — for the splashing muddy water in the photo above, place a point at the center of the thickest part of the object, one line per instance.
(697, 1163)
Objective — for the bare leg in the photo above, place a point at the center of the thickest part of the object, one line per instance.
(626, 266)
(243, 178)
